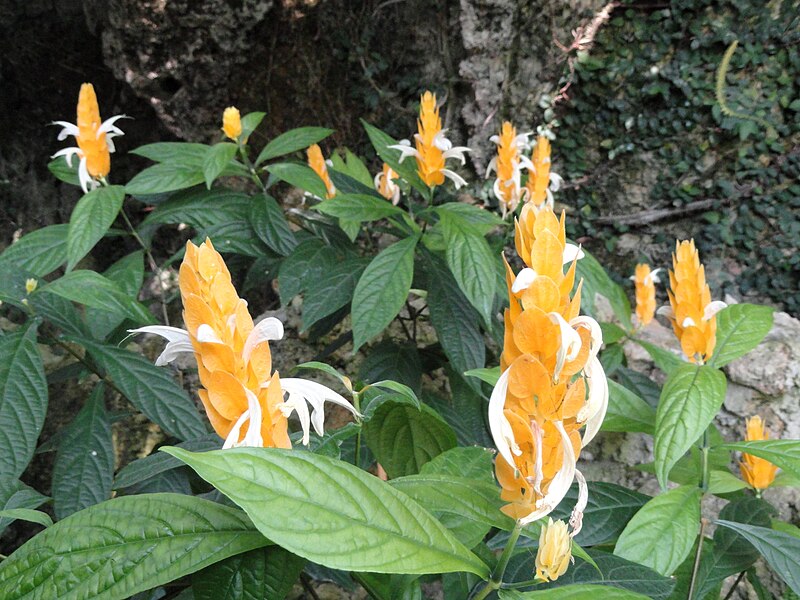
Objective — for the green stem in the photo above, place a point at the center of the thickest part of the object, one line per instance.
(357, 406)
(704, 448)
(496, 579)
(251, 167)
(703, 524)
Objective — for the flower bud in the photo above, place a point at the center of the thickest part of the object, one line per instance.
(30, 285)
(232, 123)
(555, 551)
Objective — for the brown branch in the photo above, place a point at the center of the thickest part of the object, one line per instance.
(659, 214)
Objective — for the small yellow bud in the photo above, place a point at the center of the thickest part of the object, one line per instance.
(232, 123)
(555, 551)
(30, 285)
(757, 472)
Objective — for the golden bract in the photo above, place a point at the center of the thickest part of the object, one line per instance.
(757, 472)
(645, 281)
(317, 162)
(539, 179)
(232, 123)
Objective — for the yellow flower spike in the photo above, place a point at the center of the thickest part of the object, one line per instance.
(541, 182)
(508, 165)
(232, 123)
(645, 281)
(94, 139)
(757, 472)
(691, 310)
(243, 398)
(385, 185)
(555, 551)
(317, 162)
(431, 147)
(31, 285)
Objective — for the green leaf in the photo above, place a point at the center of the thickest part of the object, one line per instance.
(92, 289)
(123, 546)
(23, 400)
(27, 514)
(779, 549)
(84, 465)
(401, 389)
(292, 141)
(609, 509)
(489, 376)
(382, 290)
(597, 281)
(445, 493)
(690, 399)
(612, 333)
(250, 122)
(403, 437)
(389, 360)
(627, 412)
(199, 208)
(219, 156)
(270, 225)
(464, 409)
(63, 172)
(189, 154)
(472, 263)
(91, 218)
(471, 463)
(306, 263)
(574, 592)
(151, 389)
(262, 574)
(300, 176)
(724, 482)
(782, 453)
(455, 321)
(731, 554)
(15, 494)
(661, 534)
(664, 359)
(354, 168)
(740, 328)
(128, 274)
(165, 177)
(148, 467)
(331, 290)
(332, 513)
(358, 208)
(618, 573)
(478, 218)
(40, 252)
(407, 169)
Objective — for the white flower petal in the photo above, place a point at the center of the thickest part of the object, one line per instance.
(597, 401)
(666, 311)
(405, 150)
(456, 152)
(688, 322)
(68, 153)
(653, 276)
(576, 518)
(570, 342)
(108, 126)
(253, 436)
(559, 486)
(265, 330)
(593, 327)
(302, 391)
(712, 308)
(296, 402)
(524, 280)
(85, 179)
(555, 181)
(454, 177)
(571, 252)
(500, 428)
(207, 335)
(69, 129)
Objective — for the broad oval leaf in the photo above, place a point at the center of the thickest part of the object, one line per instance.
(261, 574)
(331, 290)
(455, 320)
(613, 571)
(382, 290)
(27, 514)
(92, 289)
(597, 281)
(332, 513)
(358, 207)
(123, 546)
(13, 495)
(781, 550)
(151, 389)
(574, 592)
(740, 328)
(165, 177)
(662, 533)
(23, 400)
(406, 169)
(664, 359)
(782, 453)
(690, 399)
(627, 412)
(270, 225)
(94, 213)
(472, 263)
(84, 465)
(187, 153)
(404, 437)
(292, 141)
(300, 176)
(219, 156)
(39, 252)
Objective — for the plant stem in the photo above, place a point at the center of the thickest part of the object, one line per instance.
(733, 587)
(84, 362)
(357, 406)
(497, 575)
(153, 265)
(703, 524)
(704, 448)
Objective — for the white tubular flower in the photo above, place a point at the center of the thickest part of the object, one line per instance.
(597, 401)
(301, 393)
(178, 342)
(500, 428)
